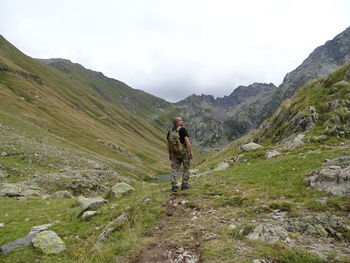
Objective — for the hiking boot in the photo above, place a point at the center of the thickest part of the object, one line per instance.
(186, 186)
(174, 188)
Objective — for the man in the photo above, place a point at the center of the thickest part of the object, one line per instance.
(180, 151)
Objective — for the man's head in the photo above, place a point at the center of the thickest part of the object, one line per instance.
(178, 121)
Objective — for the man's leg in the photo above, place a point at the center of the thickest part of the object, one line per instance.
(186, 174)
(175, 165)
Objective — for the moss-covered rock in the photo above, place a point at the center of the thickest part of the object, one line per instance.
(49, 242)
(120, 189)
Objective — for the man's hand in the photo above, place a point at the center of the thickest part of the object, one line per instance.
(190, 154)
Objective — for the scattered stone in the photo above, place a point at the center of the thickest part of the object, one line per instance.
(250, 147)
(3, 173)
(322, 201)
(2, 225)
(271, 154)
(3, 154)
(319, 225)
(333, 178)
(64, 194)
(88, 214)
(23, 241)
(121, 189)
(194, 171)
(22, 189)
(27, 219)
(294, 142)
(269, 233)
(232, 226)
(222, 166)
(49, 242)
(88, 203)
(320, 138)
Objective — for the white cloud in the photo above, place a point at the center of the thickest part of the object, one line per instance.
(175, 48)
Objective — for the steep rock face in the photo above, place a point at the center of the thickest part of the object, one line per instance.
(322, 61)
(247, 107)
(320, 109)
(215, 121)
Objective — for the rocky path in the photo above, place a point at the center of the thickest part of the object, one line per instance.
(175, 239)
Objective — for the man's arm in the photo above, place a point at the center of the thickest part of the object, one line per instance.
(189, 146)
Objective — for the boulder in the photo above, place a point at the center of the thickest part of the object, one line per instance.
(87, 204)
(62, 194)
(23, 241)
(319, 225)
(250, 147)
(271, 154)
(269, 233)
(294, 142)
(120, 189)
(333, 177)
(88, 214)
(22, 189)
(49, 242)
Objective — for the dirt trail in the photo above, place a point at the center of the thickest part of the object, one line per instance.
(174, 240)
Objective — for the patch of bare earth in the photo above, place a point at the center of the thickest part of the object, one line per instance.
(173, 240)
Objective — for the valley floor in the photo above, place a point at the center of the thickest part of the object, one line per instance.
(256, 210)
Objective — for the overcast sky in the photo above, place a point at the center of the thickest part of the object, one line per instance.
(173, 49)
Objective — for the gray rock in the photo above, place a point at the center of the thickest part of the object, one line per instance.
(120, 189)
(88, 214)
(319, 225)
(88, 204)
(49, 242)
(2, 225)
(342, 83)
(4, 154)
(222, 166)
(269, 233)
(250, 147)
(22, 189)
(294, 142)
(333, 178)
(3, 173)
(271, 154)
(62, 194)
(23, 241)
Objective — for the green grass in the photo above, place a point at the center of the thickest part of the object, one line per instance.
(143, 208)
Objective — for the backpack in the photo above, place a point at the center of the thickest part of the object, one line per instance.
(175, 145)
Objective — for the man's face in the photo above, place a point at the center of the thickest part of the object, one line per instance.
(180, 122)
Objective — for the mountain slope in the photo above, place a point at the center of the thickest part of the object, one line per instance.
(321, 107)
(39, 99)
(322, 61)
(213, 122)
(112, 90)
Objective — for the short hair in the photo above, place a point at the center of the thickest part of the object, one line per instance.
(176, 120)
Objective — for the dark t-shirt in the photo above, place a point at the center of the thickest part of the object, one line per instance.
(182, 132)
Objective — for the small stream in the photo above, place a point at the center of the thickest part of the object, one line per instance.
(162, 178)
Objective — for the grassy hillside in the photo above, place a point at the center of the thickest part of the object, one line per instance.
(112, 90)
(42, 103)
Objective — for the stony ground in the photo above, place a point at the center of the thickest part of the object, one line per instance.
(255, 207)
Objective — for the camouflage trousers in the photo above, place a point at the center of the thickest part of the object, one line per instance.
(177, 160)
